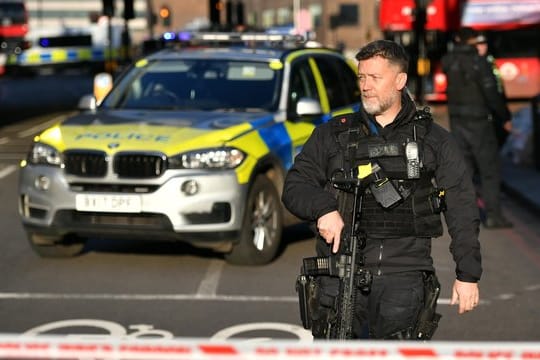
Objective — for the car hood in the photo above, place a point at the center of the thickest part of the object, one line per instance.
(164, 131)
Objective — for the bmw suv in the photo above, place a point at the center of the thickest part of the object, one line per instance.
(192, 143)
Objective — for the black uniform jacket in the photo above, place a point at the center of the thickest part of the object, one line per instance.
(306, 197)
(472, 86)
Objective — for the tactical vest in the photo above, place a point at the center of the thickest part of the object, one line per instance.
(415, 214)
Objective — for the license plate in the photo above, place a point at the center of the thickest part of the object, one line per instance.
(108, 203)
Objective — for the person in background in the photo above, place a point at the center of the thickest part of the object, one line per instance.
(503, 127)
(397, 233)
(474, 103)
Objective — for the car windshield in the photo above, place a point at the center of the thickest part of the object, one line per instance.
(197, 84)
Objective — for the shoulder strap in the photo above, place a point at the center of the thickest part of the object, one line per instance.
(347, 129)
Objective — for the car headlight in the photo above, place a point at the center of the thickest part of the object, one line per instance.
(44, 155)
(221, 158)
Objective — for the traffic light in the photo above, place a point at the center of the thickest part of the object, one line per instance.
(108, 8)
(216, 7)
(165, 15)
(129, 10)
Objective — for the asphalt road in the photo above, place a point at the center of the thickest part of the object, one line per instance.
(137, 289)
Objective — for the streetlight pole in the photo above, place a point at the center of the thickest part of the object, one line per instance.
(296, 12)
(422, 63)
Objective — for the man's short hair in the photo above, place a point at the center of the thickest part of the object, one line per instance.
(389, 50)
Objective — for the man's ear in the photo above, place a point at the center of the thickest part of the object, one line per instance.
(401, 80)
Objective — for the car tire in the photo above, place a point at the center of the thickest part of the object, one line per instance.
(48, 246)
(262, 226)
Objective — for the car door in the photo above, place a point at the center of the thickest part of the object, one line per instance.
(326, 78)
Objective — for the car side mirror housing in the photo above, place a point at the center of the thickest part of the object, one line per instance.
(87, 102)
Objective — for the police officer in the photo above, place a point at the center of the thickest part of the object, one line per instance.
(502, 126)
(397, 235)
(474, 104)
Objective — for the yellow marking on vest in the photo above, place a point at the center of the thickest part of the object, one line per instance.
(364, 171)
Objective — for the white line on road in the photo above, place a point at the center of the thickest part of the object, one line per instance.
(210, 282)
(158, 297)
(4, 140)
(7, 171)
(145, 297)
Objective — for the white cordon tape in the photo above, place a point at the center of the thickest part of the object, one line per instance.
(50, 347)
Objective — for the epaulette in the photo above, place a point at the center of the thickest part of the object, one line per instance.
(348, 122)
(424, 115)
(422, 121)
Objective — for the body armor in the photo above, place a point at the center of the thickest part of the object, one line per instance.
(417, 213)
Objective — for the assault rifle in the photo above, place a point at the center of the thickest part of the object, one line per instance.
(347, 266)
(354, 276)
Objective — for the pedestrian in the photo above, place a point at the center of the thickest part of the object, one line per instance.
(503, 127)
(474, 104)
(397, 235)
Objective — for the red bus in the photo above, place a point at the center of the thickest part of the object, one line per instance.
(512, 28)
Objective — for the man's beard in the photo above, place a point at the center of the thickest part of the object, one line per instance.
(375, 107)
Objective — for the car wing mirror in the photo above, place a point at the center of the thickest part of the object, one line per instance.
(87, 102)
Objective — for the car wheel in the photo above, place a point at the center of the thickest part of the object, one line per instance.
(260, 236)
(56, 246)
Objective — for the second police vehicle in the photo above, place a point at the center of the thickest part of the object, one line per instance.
(192, 143)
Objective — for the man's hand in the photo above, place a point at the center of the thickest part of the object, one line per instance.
(330, 226)
(466, 294)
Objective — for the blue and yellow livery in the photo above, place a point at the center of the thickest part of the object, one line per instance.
(190, 145)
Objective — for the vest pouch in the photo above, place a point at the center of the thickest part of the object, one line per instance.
(383, 190)
(438, 201)
(385, 193)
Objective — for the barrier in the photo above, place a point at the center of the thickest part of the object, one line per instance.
(55, 347)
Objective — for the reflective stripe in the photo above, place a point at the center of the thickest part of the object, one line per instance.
(277, 137)
(38, 56)
(325, 104)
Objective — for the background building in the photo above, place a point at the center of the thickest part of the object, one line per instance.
(344, 24)
(52, 17)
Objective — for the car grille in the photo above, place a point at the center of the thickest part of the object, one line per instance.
(89, 221)
(125, 165)
(87, 163)
(133, 165)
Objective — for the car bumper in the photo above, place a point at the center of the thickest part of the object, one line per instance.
(163, 210)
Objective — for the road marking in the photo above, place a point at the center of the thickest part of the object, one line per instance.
(146, 297)
(236, 331)
(4, 140)
(7, 171)
(160, 297)
(210, 282)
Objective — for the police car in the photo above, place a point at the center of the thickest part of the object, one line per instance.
(192, 143)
